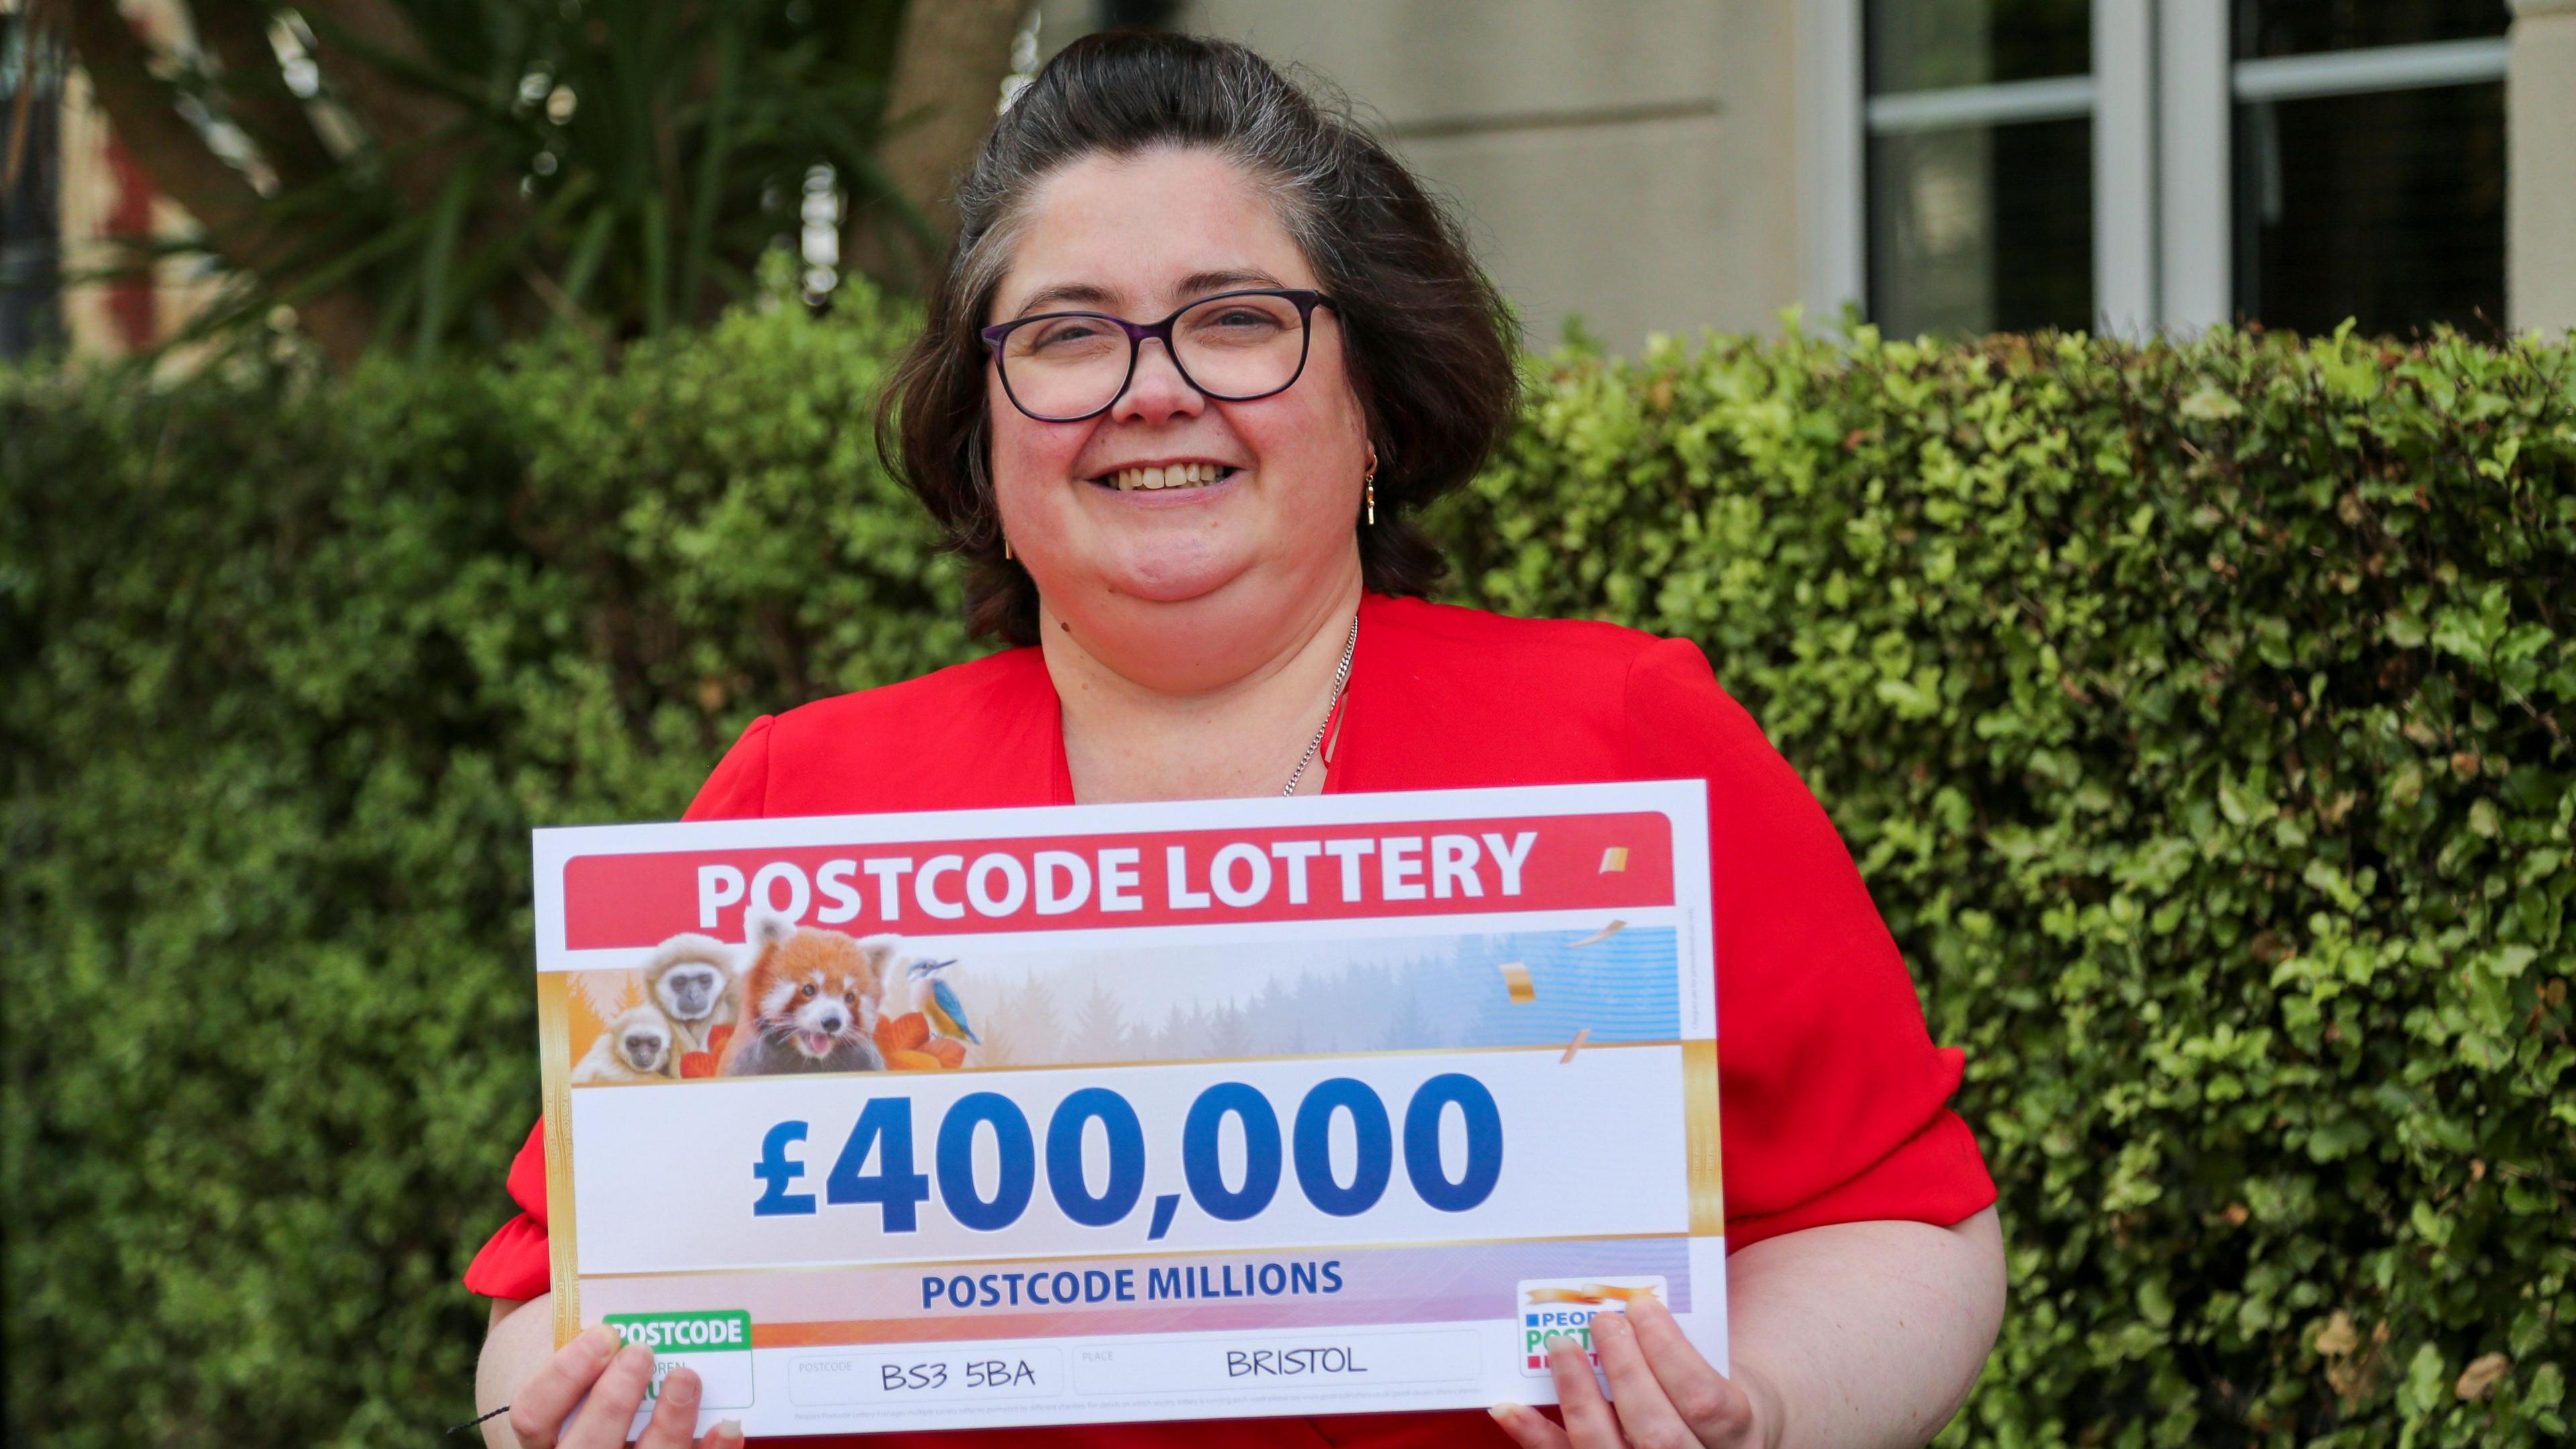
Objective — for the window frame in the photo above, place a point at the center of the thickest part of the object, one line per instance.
(2162, 96)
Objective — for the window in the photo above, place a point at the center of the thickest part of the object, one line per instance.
(30, 224)
(1990, 165)
(1980, 164)
(2369, 163)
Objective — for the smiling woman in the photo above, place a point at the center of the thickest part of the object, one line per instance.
(1202, 351)
(1147, 177)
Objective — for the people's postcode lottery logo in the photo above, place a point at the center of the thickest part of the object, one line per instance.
(1553, 1307)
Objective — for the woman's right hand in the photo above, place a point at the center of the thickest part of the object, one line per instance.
(614, 1378)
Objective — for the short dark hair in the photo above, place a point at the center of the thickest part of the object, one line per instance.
(1429, 342)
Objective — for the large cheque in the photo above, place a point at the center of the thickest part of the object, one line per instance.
(1080, 1114)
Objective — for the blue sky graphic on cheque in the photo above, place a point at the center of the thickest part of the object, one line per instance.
(1290, 997)
(1622, 989)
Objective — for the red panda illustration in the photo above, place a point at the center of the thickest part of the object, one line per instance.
(809, 1003)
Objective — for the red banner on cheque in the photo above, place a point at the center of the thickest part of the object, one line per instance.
(1169, 878)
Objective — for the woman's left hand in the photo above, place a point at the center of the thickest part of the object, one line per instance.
(1669, 1397)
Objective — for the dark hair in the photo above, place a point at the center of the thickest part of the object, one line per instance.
(1426, 334)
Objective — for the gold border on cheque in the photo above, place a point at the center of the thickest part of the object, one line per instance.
(554, 1038)
(1707, 1175)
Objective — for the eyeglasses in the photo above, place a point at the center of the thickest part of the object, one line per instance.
(1063, 367)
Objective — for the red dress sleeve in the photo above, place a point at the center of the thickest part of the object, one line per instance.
(514, 1263)
(739, 788)
(1835, 1097)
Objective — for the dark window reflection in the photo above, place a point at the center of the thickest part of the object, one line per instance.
(2303, 27)
(1919, 45)
(1982, 228)
(2388, 208)
(30, 220)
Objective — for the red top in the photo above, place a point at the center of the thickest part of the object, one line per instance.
(1834, 1092)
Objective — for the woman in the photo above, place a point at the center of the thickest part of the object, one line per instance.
(1196, 529)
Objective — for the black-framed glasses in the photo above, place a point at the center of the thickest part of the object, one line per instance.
(1063, 367)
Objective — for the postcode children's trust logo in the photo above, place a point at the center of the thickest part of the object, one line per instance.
(1553, 1306)
(717, 1345)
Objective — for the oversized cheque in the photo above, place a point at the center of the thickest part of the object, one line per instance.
(1223, 1108)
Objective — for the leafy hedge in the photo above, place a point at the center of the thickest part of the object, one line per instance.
(2199, 718)
(2199, 715)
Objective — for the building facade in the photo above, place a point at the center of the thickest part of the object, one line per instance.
(1962, 166)
(1645, 166)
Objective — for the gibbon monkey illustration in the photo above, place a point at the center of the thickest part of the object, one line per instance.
(690, 977)
(637, 1047)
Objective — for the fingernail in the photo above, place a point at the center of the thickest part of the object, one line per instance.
(730, 1428)
(1562, 1340)
(1607, 1319)
(1504, 1412)
(600, 1340)
(636, 1355)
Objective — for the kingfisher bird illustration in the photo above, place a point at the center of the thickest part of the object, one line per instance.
(935, 1000)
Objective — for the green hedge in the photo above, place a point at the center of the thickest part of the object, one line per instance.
(2199, 716)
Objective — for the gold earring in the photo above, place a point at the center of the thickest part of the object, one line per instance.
(1370, 484)
(1006, 545)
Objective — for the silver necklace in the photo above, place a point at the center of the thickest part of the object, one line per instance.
(1341, 677)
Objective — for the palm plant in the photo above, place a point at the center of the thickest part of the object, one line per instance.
(425, 173)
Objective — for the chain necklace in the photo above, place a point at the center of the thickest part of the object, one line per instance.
(1332, 703)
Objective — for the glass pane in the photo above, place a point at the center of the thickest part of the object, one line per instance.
(2304, 27)
(1982, 228)
(1917, 45)
(30, 225)
(2388, 208)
